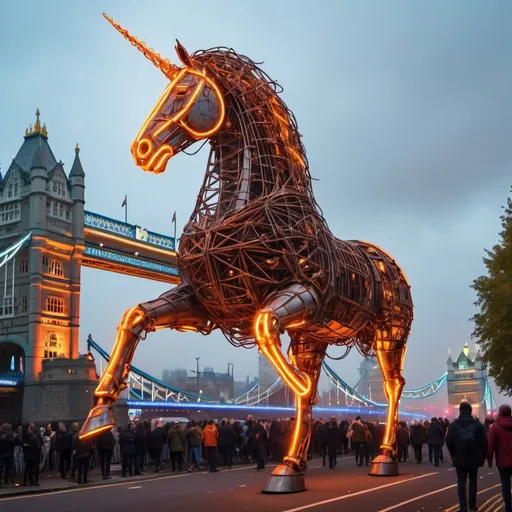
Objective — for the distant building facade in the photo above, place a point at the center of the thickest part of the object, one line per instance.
(210, 384)
(40, 286)
(466, 382)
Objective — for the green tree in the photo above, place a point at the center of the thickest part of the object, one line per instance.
(493, 323)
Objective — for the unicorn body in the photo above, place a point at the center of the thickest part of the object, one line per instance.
(256, 256)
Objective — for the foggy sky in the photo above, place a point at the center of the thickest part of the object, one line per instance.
(404, 108)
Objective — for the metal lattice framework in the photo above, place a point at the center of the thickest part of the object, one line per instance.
(142, 386)
(257, 257)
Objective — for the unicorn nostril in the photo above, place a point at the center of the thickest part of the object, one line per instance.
(144, 148)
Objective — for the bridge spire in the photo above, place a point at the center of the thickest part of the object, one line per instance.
(77, 169)
(37, 127)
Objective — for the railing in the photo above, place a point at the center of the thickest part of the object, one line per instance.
(97, 221)
(115, 257)
(142, 385)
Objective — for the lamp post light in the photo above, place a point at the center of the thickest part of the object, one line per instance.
(197, 371)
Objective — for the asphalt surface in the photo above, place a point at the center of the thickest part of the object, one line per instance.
(347, 487)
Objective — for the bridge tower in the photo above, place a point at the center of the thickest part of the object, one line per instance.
(40, 287)
(466, 381)
(371, 383)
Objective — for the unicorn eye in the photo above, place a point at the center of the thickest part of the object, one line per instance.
(181, 91)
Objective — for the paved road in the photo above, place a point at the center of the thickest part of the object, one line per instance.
(347, 487)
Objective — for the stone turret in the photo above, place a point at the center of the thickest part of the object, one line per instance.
(38, 181)
(77, 180)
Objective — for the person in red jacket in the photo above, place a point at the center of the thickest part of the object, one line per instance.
(500, 444)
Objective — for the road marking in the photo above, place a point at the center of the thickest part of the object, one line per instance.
(136, 487)
(65, 490)
(456, 507)
(359, 493)
(417, 498)
(490, 503)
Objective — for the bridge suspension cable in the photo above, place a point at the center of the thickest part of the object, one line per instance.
(143, 386)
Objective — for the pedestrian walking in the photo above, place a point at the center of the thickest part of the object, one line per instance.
(435, 440)
(466, 441)
(500, 446)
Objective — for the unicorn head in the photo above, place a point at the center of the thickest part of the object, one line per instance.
(191, 108)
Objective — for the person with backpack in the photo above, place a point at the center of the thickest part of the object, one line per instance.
(500, 443)
(466, 441)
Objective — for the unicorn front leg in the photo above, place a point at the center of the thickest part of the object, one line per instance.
(176, 309)
(286, 309)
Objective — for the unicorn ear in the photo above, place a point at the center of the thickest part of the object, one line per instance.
(183, 54)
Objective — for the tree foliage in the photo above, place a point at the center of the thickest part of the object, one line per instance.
(493, 323)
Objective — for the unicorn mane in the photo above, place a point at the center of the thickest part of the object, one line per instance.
(264, 116)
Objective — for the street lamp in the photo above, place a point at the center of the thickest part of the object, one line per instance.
(197, 371)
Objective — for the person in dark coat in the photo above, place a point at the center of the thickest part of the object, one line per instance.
(274, 435)
(63, 446)
(73, 430)
(105, 446)
(435, 440)
(141, 447)
(6, 450)
(156, 441)
(500, 444)
(31, 456)
(177, 445)
(402, 441)
(378, 437)
(83, 450)
(321, 439)
(332, 441)
(357, 434)
(227, 443)
(260, 443)
(417, 440)
(127, 443)
(194, 445)
(467, 442)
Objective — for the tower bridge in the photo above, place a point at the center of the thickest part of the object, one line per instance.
(47, 236)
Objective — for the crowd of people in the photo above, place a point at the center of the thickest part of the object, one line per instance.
(194, 445)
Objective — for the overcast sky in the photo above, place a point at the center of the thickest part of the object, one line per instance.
(404, 108)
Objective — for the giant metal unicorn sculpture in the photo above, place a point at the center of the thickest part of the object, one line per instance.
(256, 257)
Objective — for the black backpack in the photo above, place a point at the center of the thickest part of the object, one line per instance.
(467, 443)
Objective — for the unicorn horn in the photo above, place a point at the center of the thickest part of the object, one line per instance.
(168, 69)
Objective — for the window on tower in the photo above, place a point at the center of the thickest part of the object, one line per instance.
(56, 268)
(23, 266)
(54, 305)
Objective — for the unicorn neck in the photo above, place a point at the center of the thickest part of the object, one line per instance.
(240, 170)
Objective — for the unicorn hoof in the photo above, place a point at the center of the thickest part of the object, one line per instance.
(383, 465)
(100, 419)
(284, 480)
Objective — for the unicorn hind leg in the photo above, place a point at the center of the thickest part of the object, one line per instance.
(390, 355)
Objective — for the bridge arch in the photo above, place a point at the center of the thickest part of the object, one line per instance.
(12, 357)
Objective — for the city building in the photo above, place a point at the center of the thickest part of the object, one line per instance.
(208, 383)
(466, 382)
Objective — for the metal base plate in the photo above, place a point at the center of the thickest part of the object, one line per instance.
(284, 480)
(383, 465)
